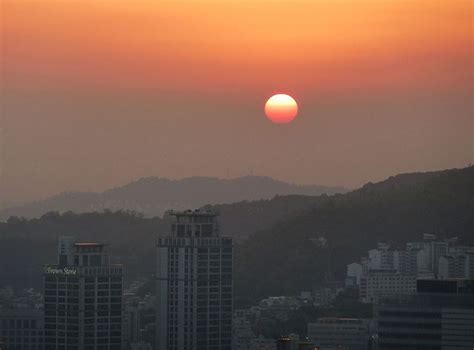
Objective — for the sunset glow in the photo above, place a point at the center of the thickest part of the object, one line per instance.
(212, 45)
(91, 84)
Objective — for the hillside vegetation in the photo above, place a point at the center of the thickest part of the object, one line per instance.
(278, 247)
(153, 196)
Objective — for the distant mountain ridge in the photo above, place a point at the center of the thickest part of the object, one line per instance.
(152, 196)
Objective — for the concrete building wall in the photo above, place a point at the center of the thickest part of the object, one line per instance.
(339, 333)
(457, 329)
(21, 329)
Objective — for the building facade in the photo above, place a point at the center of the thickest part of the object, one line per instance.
(340, 333)
(82, 299)
(242, 334)
(378, 285)
(439, 317)
(194, 285)
(21, 329)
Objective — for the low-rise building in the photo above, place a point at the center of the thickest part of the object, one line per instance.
(242, 334)
(21, 328)
(340, 333)
(386, 284)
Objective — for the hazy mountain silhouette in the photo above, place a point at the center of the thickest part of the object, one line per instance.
(152, 196)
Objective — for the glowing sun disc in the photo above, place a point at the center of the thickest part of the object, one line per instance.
(281, 109)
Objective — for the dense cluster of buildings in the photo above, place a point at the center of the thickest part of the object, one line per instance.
(391, 273)
(414, 279)
(325, 333)
(423, 299)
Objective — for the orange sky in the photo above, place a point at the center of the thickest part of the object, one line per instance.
(99, 92)
(253, 45)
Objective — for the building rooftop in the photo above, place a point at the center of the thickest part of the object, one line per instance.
(196, 212)
(339, 320)
(89, 244)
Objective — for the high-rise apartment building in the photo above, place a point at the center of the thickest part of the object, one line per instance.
(82, 299)
(194, 285)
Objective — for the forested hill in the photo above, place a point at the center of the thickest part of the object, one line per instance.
(286, 258)
(152, 196)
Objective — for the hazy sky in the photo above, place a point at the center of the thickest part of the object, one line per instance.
(96, 93)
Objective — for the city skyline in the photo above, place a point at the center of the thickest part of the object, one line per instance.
(87, 307)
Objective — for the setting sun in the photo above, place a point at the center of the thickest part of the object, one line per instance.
(281, 108)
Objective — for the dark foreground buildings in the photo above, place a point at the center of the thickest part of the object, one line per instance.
(340, 333)
(293, 342)
(194, 285)
(439, 317)
(21, 329)
(82, 299)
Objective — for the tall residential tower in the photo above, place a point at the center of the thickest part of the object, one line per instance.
(82, 299)
(194, 285)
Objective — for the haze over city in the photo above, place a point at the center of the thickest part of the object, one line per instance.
(99, 93)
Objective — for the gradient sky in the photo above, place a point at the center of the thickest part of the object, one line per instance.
(96, 93)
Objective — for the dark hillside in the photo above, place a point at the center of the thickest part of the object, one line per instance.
(285, 259)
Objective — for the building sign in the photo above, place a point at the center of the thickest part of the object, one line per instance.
(60, 271)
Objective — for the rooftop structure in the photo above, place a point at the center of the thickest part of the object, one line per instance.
(195, 223)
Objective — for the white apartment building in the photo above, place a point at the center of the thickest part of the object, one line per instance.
(386, 284)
